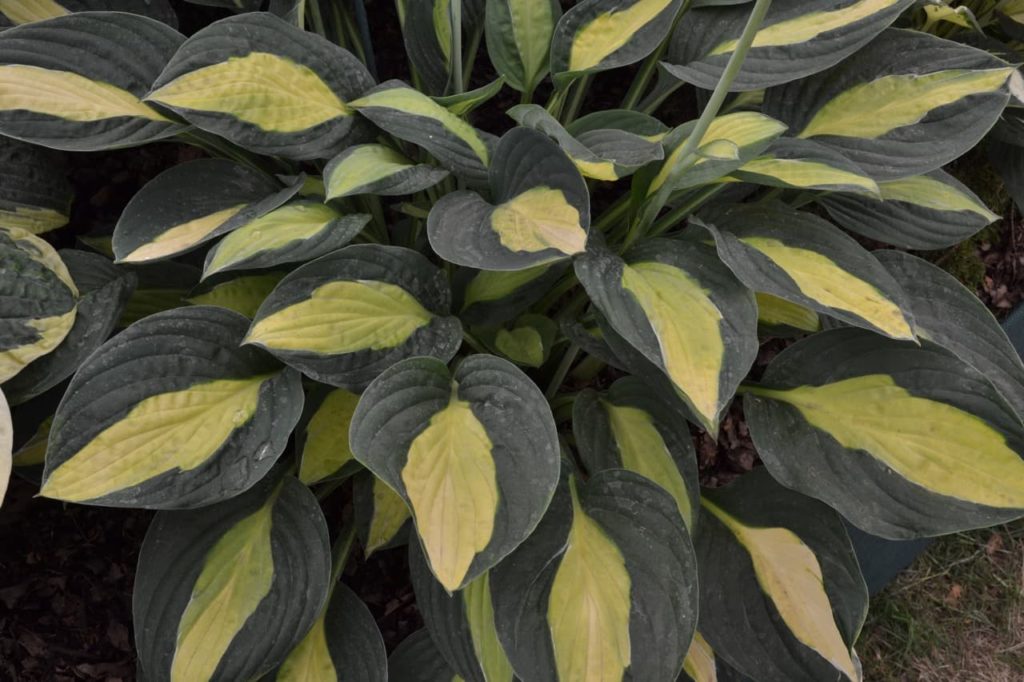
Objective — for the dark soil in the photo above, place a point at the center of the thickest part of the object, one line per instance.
(66, 575)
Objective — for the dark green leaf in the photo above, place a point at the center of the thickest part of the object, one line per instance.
(104, 290)
(483, 435)
(171, 413)
(541, 210)
(75, 82)
(227, 591)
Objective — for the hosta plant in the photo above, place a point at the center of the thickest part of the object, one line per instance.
(487, 333)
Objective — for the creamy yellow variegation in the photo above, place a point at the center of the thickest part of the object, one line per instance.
(687, 324)
(700, 661)
(804, 173)
(610, 31)
(174, 431)
(742, 129)
(493, 285)
(50, 331)
(282, 227)
(47, 332)
(540, 218)
(790, 575)
(389, 515)
(820, 279)
(344, 317)
(476, 597)
(41, 252)
(241, 294)
(67, 95)
(878, 107)
(532, 45)
(363, 166)
(522, 344)
(237, 574)
(33, 219)
(927, 192)
(441, 14)
(939, 447)
(599, 170)
(644, 451)
(326, 448)
(589, 604)
(27, 11)
(310, 660)
(181, 237)
(772, 310)
(413, 103)
(451, 481)
(269, 91)
(807, 27)
(6, 445)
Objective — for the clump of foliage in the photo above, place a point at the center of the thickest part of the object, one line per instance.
(360, 292)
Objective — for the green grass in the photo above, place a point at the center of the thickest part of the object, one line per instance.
(956, 615)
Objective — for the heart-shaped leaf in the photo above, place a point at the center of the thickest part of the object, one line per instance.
(541, 211)
(474, 453)
(684, 311)
(526, 341)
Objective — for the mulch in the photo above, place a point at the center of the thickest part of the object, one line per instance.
(66, 575)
